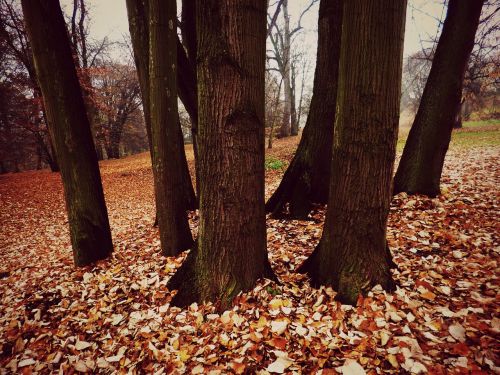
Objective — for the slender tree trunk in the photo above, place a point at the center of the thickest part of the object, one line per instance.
(139, 31)
(294, 127)
(188, 80)
(175, 235)
(275, 106)
(306, 180)
(352, 255)
(231, 248)
(421, 164)
(70, 128)
(285, 129)
(189, 97)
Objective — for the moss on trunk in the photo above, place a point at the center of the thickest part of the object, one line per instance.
(231, 250)
(352, 255)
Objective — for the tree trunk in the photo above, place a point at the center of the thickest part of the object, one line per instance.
(307, 178)
(175, 235)
(352, 255)
(275, 107)
(189, 97)
(70, 128)
(137, 11)
(285, 129)
(458, 116)
(421, 164)
(231, 248)
(294, 127)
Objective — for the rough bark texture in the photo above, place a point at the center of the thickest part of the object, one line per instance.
(421, 164)
(352, 255)
(70, 129)
(231, 248)
(175, 235)
(137, 11)
(307, 178)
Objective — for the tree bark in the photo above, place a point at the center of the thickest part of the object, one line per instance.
(175, 235)
(285, 129)
(306, 180)
(421, 164)
(137, 11)
(231, 248)
(294, 126)
(70, 129)
(352, 255)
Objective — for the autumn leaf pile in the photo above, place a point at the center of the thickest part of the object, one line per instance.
(115, 316)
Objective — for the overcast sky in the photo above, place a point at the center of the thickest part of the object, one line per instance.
(109, 19)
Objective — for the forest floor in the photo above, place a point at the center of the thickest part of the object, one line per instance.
(443, 318)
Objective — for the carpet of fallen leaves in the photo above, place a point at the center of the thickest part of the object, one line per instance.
(115, 316)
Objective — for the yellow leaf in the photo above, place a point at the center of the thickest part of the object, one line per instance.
(392, 360)
(184, 355)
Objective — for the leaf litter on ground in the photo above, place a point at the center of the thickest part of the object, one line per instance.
(116, 317)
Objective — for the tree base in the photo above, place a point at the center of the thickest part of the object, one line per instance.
(297, 191)
(192, 288)
(414, 189)
(347, 285)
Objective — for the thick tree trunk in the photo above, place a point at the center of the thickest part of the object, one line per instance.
(352, 255)
(137, 11)
(231, 248)
(307, 178)
(70, 128)
(421, 164)
(175, 235)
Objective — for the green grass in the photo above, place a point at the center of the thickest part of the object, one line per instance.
(476, 123)
(476, 138)
(274, 164)
(469, 137)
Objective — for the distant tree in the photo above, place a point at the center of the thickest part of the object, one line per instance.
(118, 96)
(480, 82)
(18, 69)
(273, 105)
(87, 214)
(352, 255)
(307, 178)
(231, 249)
(281, 40)
(89, 54)
(421, 164)
(134, 138)
(416, 68)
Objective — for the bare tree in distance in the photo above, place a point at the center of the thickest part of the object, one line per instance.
(281, 37)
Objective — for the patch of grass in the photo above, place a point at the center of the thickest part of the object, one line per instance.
(467, 139)
(475, 123)
(476, 138)
(272, 291)
(274, 164)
